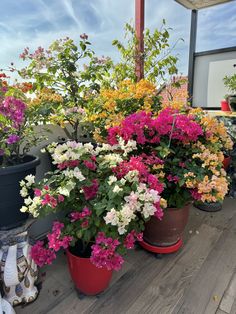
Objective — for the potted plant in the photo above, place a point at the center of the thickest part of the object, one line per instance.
(214, 150)
(17, 136)
(230, 83)
(178, 140)
(64, 86)
(107, 197)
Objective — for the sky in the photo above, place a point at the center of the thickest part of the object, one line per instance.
(36, 23)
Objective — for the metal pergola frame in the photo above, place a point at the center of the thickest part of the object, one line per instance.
(194, 5)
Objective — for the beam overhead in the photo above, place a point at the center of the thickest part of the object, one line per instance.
(200, 4)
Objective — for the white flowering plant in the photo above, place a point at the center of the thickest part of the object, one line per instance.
(107, 194)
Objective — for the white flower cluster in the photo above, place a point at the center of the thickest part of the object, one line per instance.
(142, 201)
(127, 147)
(70, 151)
(111, 159)
(67, 188)
(31, 205)
(26, 184)
(74, 173)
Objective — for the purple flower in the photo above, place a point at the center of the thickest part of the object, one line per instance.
(13, 139)
(1, 152)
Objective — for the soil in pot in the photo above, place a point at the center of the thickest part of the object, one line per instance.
(88, 278)
(169, 230)
(10, 198)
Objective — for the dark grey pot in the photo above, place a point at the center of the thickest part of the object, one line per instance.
(208, 207)
(10, 198)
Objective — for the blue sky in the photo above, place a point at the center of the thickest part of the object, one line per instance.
(36, 23)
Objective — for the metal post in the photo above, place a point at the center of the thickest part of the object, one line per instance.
(192, 49)
(139, 28)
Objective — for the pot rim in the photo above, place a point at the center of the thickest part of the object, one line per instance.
(178, 208)
(21, 167)
(68, 252)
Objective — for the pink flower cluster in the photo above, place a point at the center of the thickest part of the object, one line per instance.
(131, 238)
(154, 183)
(90, 192)
(172, 178)
(55, 241)
(135, 163)
(86, 212)
(151, 159)
(50, 200)
(90, 165)
(45, 256)
(68, 164)
(159, 211)
(195, 195)
(104, 253)
(13, 109)
(41, 255)
(145, 129)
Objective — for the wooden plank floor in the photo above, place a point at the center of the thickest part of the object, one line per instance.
(199, 279)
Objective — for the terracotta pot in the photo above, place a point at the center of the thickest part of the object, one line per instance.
(226, 162)
(169, 230)
(224, 105)
(87, 278)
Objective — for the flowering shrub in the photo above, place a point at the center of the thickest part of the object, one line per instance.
(17, 121)
(64, 87)
(189, 147)
(114, 104)
(107, 195)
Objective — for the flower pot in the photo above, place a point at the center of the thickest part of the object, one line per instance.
(208, 207)
(169, 230)
(226, 162)
(232, 102)
(224, 105)
(10, 198)
(87, 278)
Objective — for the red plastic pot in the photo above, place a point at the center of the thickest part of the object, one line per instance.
(87, 278)
(225, 106)
(226, 162)
(169, 230)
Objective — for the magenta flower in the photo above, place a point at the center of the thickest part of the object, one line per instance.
(90, 192)
(12, 139)
(37, 192)
(90, 165)
(41, 255)
(104, 253)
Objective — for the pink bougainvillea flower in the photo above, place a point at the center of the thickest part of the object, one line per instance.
(90, 192)
(41, 255)
(37, 192)
(90, 165)
(104, 253)
(60, 198)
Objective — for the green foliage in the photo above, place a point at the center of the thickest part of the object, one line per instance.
(159, 63)
(230, 83)
(72, 72)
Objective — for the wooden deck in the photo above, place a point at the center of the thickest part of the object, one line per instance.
(200, 278)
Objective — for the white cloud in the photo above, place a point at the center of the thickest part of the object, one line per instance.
(38, 23)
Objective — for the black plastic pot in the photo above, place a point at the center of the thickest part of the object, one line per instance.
(232, 102)
(208, 207)
(10, 198)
